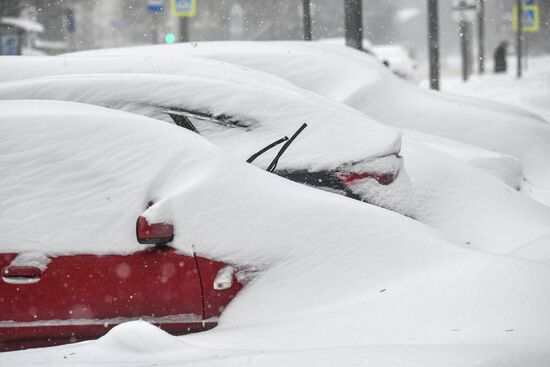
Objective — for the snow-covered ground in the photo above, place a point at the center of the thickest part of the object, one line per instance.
(531, 92)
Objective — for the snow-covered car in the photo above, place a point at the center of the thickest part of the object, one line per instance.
(339, 276)
(397, 59)
(393, 56)
(75, 182)
(341, 150)
(361, 81)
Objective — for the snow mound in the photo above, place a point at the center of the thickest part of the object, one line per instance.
(470, 207)
(138, 337)
(504, 167)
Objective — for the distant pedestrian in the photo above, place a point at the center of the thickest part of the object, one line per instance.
(500, 57)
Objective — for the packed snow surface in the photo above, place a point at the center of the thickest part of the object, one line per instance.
(338, 281)
(361, 81)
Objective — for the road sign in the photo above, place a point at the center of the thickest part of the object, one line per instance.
(155, 6)
(183, 8)
(69, 20)
(10, 45)
(530, 17)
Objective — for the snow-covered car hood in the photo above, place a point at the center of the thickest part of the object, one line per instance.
(256, 115)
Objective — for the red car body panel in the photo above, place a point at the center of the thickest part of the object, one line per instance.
(81, 297)
(215, 301)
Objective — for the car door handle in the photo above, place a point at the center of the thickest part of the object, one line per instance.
(16, 274)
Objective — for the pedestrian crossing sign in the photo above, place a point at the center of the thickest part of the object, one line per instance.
(183, 8)
(530, 18)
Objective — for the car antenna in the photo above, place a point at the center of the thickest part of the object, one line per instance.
(263, 150)
(275, 161)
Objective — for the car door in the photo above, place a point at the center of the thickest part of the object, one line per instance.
(82, 296)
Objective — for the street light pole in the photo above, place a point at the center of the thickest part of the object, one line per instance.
(519, 36)
(465, 31)
(155, 28)
(184, 29)
(433, 43)
(353, 23)
(307, 19)
(481, 36)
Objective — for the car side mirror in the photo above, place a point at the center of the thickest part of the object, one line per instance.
(153, 234)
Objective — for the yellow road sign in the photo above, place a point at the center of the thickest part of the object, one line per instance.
(183, 8)
(530, 16)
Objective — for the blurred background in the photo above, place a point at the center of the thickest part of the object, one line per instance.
(57, 26)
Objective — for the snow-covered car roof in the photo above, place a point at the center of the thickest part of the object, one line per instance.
(75, 177)
(359, 80)
(248, 117)
(32, 67)
(328, 265)
(291, 60)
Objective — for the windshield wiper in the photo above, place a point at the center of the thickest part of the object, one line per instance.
(183, 121)
(275, 161)
(263, 150)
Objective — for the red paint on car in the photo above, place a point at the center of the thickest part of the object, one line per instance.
(83, 296)
(349, 178)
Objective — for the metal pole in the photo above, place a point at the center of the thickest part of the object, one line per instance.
(307, 20)
(155, 29)
(184, 29)
(519, 36)
(481, 36)
(353, 23)
(433, 43)
(526, 51)
(463, 49)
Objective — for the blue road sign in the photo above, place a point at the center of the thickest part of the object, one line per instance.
(155, 6)
(9, 45)
(69, 20)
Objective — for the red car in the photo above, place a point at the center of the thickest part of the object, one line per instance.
(69, 291)
(83, 296)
